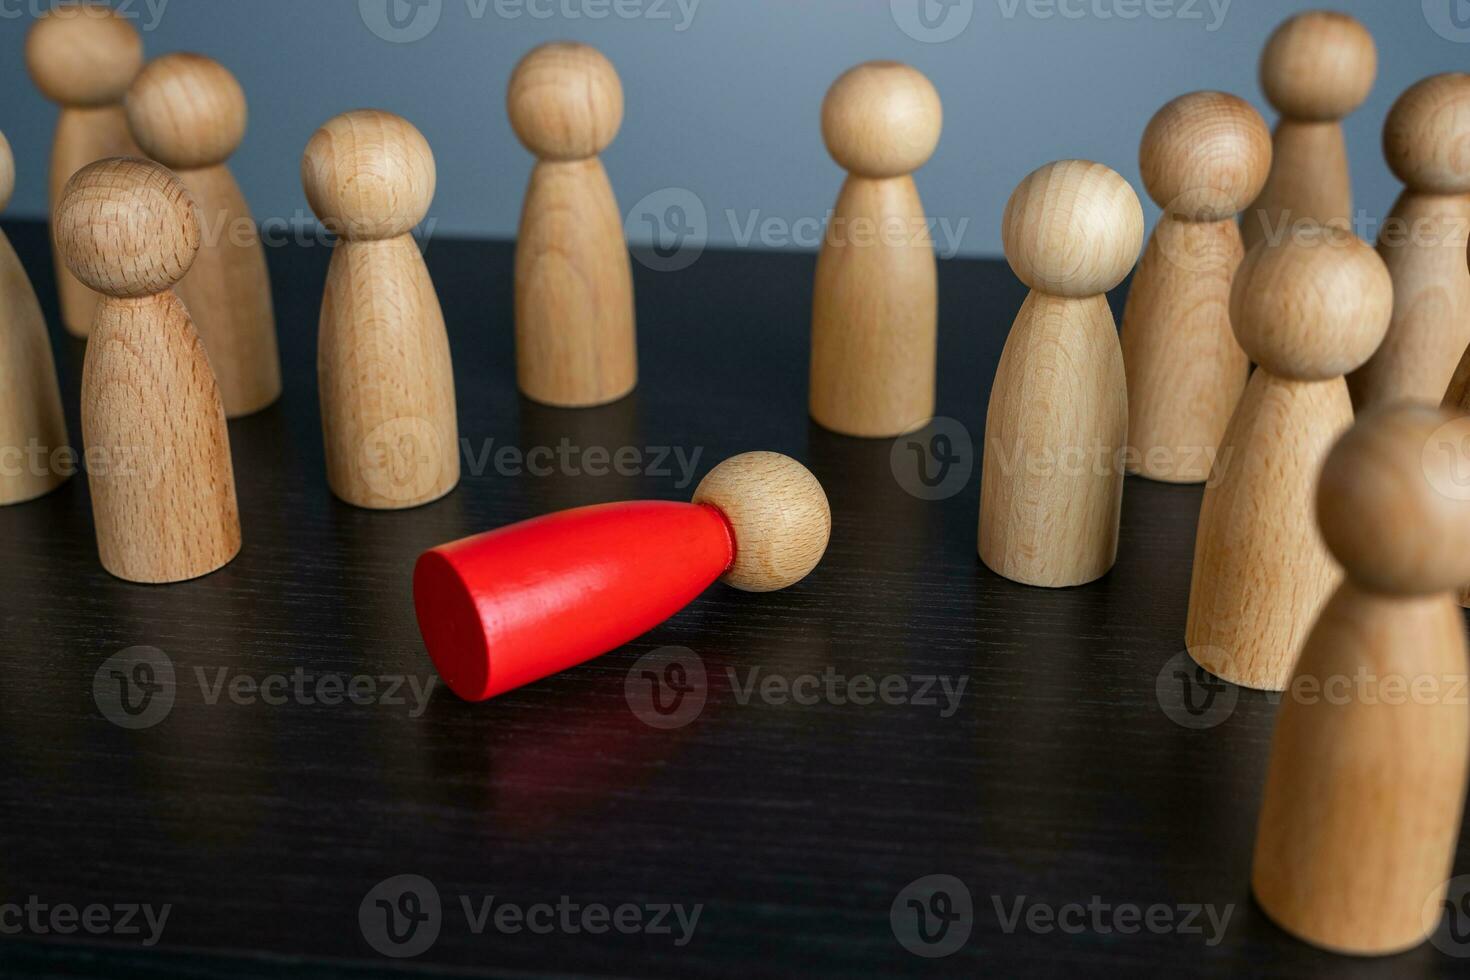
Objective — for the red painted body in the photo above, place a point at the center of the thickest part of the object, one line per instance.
(510, 606)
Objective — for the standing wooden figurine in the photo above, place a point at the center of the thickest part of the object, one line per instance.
(1366, 785)
(32, 425)
(875, 305)
(158, 453)
(83, 56)
(1317, 68)
(1423, 242)
(383, 366)
(575, 343)
(1205, 156)
(1307, 311)
(1052, 484)
(188, 113)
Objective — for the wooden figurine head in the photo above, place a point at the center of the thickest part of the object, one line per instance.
(83, 54)
(778, 514)
(1205, 156)
(1073, 228)
(187, 111)
(565, 101)
(369, 175)
(127, 227)
(882, 119)
(1319, 66)
(7, 172)
(1391, 501)
(1313, 305)
(1426, 138)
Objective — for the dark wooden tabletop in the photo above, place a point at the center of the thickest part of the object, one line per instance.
(1087, 819)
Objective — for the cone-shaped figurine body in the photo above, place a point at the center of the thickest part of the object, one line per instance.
(1306, 311)
(1317, 68)
(83, 57)
(1052, 485)
(575, 339)
(1423, 242)
(1204, 157)
(875, 305)
(1361, 811)
(383, 364)
(188, 113)
(504, 608)
(158, 453)
(32, 424)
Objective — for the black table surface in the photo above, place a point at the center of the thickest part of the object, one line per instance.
(1060, 778)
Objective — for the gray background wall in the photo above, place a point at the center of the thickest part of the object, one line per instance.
(723, 96)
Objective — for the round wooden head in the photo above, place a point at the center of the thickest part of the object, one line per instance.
(127, 227)
(369, 175)
(83, 54)
(882, 119)
(1426, 139)
(1073, 228)
(1205, 156)
(778, 514)
(1319, 66)
(1392, 502)
(565, 101)
(7, 172)
(1314, 305)
(187, 111)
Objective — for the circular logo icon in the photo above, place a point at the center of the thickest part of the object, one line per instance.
(1446, 459)
(400, 916)
(667, 688)
(935, 462)
(1447, 917)
(673, 222)
(1190, 695)
(401, 459)
(135, 689)
(1450, 19)
(932, 21)
(933, 916)
(401, 21)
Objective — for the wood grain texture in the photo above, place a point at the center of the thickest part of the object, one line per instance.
(778, 515)
(575, 336)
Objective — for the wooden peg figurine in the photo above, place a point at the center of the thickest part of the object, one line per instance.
(188, 113)
(1423, 241)
(1052, 484)
(383, 365)
(1205, 156)
(1366, 784)
(32, 425)
(1317, 68)
(83, 57)
(875, 305)
(575, 343)
(1307, 310)
(158, 453)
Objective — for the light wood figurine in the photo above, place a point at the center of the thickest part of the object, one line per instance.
(83, 57)
(1052, 485)
(188, 113)
(1307, 311)
(575, 338)
(158, 452)
(383, 365)
(875, 304)
(1366, 784)
(1204, 157)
